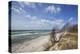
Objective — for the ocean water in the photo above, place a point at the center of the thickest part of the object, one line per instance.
(19, 36)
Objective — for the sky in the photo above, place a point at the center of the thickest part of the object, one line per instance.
(32, 15)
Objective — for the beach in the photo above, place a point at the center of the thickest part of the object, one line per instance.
(39, 44)
(69, 40)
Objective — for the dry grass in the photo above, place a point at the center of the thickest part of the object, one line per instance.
(68, 41)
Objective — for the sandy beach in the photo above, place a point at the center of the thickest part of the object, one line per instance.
(38, 44)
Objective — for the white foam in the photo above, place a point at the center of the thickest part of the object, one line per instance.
(22, 34)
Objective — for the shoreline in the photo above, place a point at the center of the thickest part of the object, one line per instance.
(38, 44)
(43, 43)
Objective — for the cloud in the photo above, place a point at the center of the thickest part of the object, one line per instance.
(22, 10)
(27, 21)
(28, 16)
(18, 10)
(41, 23)
(15, 9)
(31, 17)
(53, 9)
(34, 22)
(30, 4)
(58, 9)
(21, 4)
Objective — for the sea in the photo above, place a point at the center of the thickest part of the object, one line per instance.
(19, 36)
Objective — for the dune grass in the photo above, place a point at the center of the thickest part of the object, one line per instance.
(68, 41)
